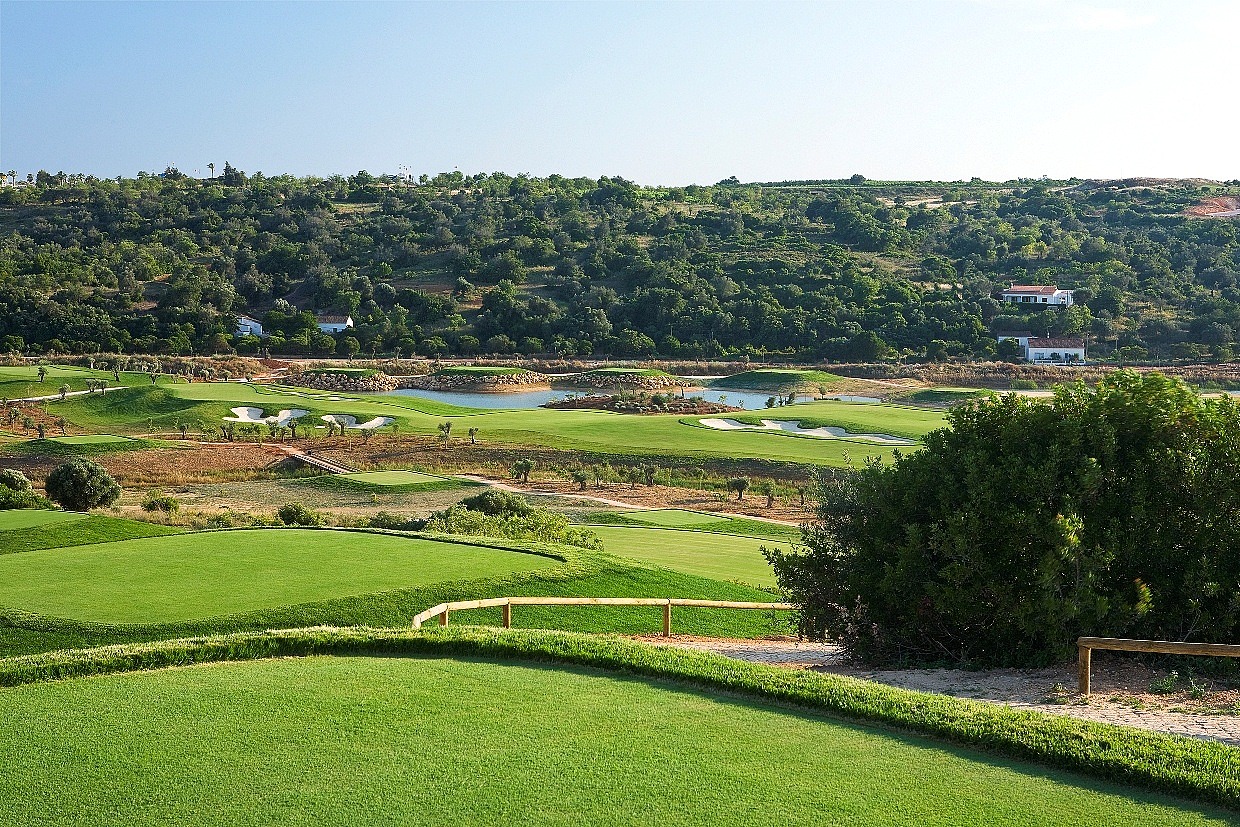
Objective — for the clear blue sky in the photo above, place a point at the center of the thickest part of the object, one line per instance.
(660, 93)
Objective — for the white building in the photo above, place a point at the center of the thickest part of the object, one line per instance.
(249, 326)
(1037, 294)
(1021, 336)
(1058, 351)
(335, 324)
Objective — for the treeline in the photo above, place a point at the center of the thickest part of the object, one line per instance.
(499, 264)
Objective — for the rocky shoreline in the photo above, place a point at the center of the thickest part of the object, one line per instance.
(476, 383)
(343, 382)
(643, 405)
(629, 381)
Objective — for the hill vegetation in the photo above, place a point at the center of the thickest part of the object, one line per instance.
(501, 264)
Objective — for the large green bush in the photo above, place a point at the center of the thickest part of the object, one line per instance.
(1105, 511)
(81, 485)
(17, 492)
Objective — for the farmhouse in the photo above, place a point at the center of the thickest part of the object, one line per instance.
(334, 324)
(1037, 294)
(1021, 336)
(249, 326)
(1055, 350)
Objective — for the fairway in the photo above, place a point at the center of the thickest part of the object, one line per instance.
(90, 439)
(673, 517)
(436, 741)
(384, 479)
(190, 576)
(32, 518)
(717, 556)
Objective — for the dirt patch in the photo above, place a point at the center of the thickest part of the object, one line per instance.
(1223, 204)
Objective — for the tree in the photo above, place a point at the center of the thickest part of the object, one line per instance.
(81, 485)
(522, 468)
(633, 476)
(581, 478)
(350, 346)
(42, 430)
(42, 373)
(1105, 511)
(64, 391)
(62, 424)
(473, 436)
(739, 485)
(767, 489)
(445, 432)
(298, 514)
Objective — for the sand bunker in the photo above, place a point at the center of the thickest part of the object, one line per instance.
(254, 416)
(827, 432)
(346, 421)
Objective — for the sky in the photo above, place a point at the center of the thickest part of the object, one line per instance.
(659, 93)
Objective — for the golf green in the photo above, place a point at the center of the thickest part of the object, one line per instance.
(390, 478)
(673, 517)
(207, 574)
(717, 556)
(432, 741)
(32, 518)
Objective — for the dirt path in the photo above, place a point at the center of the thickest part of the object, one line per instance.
(1120, 692)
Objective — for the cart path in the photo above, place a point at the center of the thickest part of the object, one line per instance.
(1015, 688)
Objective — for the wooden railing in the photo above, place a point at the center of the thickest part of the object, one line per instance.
(443, 609)
(1086, 645)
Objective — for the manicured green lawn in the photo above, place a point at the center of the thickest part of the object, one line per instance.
(189, 576)
(672, 517)
(31, 518)
(854, 417)
(90, 439)
(717, 556)
(389, 478)
(599, 431)
(435, 741)
(20, 382)
(777, 379)
(739, 526)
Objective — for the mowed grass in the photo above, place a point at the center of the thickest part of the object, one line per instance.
(598, 431)
(673, 517)
(739, 526)
(31, 518)
(89, 439)
(20, 382)
(190, 576)
(432, 741)
(854, 417)
(777, 379)
(717, 556)
(68, 528)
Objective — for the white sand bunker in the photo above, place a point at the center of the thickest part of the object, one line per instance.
(826, 432)
(254, 416)
(346, 421)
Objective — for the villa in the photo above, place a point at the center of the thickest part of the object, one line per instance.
(1047, 294)
(1054, 350)
(334, 324)
(249, 326)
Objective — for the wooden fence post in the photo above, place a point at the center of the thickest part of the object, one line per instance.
(443, 618)
(507, 615)
(667, 619)
(1082, 669)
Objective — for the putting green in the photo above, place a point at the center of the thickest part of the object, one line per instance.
(389, 478)
(717, 556)
(31, 518)
(428, 741)
(90, 439)
(673, 517)
(192, 576)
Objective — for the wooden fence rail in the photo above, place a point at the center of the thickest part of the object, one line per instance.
(444, 609)
(1086, 645)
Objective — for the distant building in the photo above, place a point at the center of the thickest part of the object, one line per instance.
(249, 326)
(1021, 336)
(1059, 351)
(335, 324)
(1037, 294)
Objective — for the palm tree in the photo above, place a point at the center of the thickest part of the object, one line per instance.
(211, 166)
(473, 436)
(522, 468)
(445, 431)
(42, 373)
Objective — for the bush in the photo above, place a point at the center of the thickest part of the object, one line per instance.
(17, 492)
(496, 503)
(81, 485)
(395, 522)
(298, 514)
(159, 501)
(1104, 512)
(537, 524)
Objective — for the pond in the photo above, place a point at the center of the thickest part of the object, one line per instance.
(749, 400)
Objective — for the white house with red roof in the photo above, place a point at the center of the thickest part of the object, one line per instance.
(1063, 350)
(1047, 294)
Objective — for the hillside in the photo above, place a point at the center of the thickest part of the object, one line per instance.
(810, 270)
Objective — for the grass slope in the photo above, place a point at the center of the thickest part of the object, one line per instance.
(199, 575)
(854, 417)
(21, 382)
(718, 556)
(457, 737)
(738, 526)
(73, 530)
(388, 482)
(774, 379)
(31, 518)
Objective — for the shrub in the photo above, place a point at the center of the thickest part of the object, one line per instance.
(537, 524)
(17, 492)
(81, 485)
(1107, 511)
(395, 522)
(496, 503)
(159, 501)
(298, 514)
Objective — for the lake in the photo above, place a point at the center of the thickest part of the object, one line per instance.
(749, 400)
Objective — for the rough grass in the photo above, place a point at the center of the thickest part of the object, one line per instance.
(74, 530)
(389, 482)
(199, 575)
(738, 526)
(622, 372)
(480, 370)
(777, 380)
(87, 445)
(622, 732)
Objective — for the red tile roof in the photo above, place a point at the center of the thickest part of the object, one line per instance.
(1064, 343)
(1035, 289)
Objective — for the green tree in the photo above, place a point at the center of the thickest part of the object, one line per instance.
(522, 469)
(740, 485)
(81, 485)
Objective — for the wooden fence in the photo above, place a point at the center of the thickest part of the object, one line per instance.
(1086, 645)
(443, 609)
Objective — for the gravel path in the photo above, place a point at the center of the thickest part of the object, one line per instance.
(1043, 690)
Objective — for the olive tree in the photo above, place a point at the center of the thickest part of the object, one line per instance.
(81, 485)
